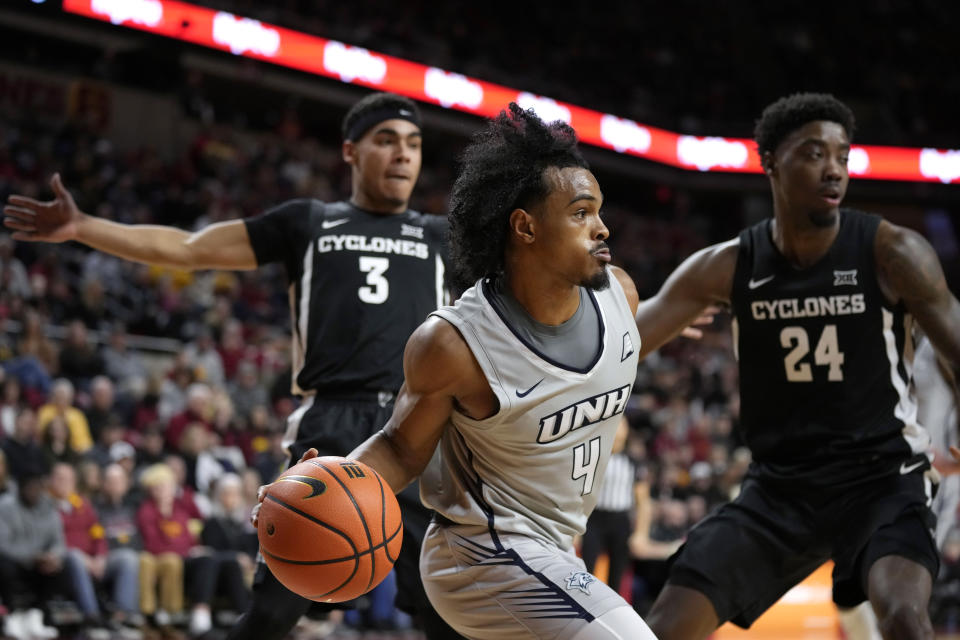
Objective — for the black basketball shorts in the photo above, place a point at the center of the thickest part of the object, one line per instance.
(750, 552)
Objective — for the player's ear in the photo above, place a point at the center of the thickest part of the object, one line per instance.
(768, 163)
(349, 152)
(522, 225)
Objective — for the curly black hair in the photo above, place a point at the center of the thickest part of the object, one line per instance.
(377, 102)
(501, 170)
(788, 114)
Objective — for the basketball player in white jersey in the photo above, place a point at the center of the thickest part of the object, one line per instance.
(937, 402)
(519, 388)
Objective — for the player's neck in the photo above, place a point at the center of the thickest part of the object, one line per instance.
(801, 242)
(363, 201)
(550, 303)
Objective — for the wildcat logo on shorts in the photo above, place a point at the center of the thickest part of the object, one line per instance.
(580, 580)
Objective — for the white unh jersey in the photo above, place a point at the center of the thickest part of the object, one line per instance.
(937, 411)
(534, 467)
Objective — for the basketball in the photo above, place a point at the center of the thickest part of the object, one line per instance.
(330, 529)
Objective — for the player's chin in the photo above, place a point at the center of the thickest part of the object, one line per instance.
(597, 281)
(824, 216)
(398, 191)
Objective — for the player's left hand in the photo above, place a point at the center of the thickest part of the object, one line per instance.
(955, 452)
(705, 318)
(262, 491)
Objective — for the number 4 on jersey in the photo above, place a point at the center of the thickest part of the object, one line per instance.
(826, 354)
(585, 464)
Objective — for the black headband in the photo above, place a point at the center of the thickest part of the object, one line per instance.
(366, 121)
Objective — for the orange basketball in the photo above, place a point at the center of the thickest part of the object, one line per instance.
(330, 529)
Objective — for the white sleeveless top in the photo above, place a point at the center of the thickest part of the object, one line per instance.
(534, 467)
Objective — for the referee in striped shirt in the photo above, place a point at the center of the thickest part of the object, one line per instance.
(612, 522)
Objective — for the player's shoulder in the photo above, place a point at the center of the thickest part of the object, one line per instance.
(436, 349)
(897, 247)
(721, 256)
(894, 237)
(298, 206)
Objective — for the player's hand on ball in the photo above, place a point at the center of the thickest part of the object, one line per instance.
(705, 318)
(262, 491)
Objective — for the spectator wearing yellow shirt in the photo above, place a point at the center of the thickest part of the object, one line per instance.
(61, 404)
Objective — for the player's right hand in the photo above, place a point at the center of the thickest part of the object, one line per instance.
(52, 221)
(262, 491)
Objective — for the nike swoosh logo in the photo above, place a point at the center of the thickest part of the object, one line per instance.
(329, 224)
(527, 392)
(753, 284)
(904, 469)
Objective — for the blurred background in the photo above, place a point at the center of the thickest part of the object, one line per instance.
(108, 367)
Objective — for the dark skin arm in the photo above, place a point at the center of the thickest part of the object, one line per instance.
(704, 279)
(910, 272)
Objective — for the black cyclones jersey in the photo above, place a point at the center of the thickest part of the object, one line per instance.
(825, 362)
(360, 283)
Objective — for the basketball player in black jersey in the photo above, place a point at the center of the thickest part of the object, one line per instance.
(363, 273)
(823, 300)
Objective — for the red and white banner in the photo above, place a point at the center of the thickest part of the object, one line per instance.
(254, 39)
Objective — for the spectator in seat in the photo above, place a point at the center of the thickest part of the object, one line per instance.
(61, 405)
(102, 410)
(34, 343)
(79, 361)
(234, 540)
(246, 391)
(199, 409)
(120, 362)
(22, 446)
(274, 459)
(32, 553)
(89, 560)
(116, 507)
(167, 532)
(56, 443)
(204, 358)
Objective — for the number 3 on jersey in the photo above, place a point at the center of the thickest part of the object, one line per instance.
(827, 354)
(378, 288)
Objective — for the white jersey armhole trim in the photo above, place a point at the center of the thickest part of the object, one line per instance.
(493, 376)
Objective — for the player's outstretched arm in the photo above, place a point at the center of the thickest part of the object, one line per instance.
(225, 245)
(704, 279)
(440, 374)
